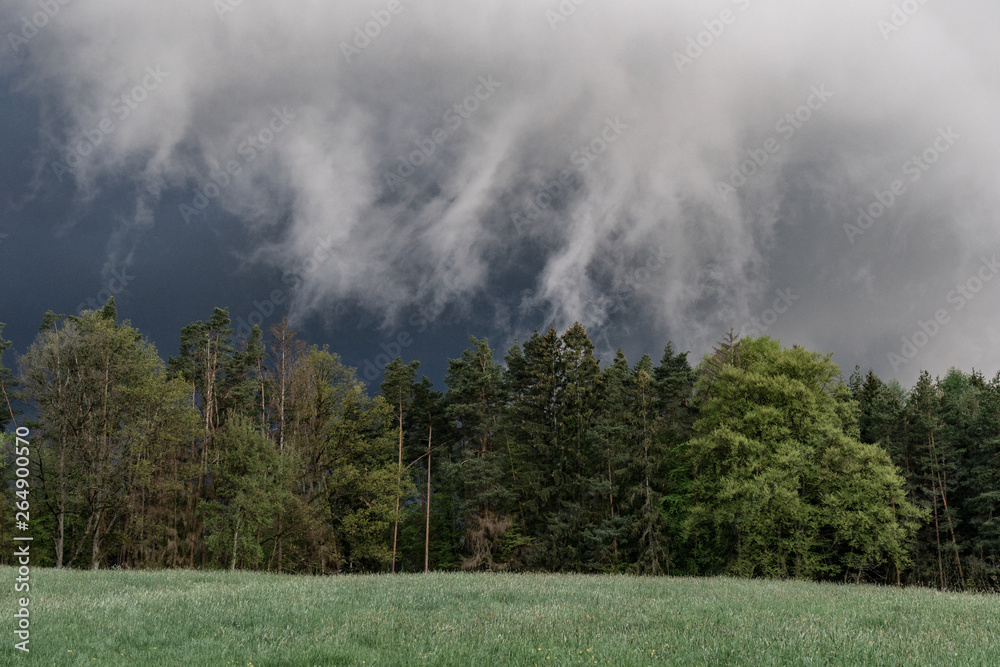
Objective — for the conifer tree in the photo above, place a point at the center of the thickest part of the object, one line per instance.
(665, 475)
(485, 470)
(553, 386)
(983, 487)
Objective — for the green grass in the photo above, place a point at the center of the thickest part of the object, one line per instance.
(210, 618)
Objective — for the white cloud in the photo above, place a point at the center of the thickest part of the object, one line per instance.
(444, 234)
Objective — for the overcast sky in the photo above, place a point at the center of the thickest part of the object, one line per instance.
(411, 172)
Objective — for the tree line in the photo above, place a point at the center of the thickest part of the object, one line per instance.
(268, 453)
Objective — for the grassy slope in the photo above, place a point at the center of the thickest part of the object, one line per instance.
(201, 618)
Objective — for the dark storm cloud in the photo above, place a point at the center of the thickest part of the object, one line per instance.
(435, 145)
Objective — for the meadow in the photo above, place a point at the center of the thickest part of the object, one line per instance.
(242, 618)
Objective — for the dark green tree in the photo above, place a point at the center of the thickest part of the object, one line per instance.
(484, 475)
(982, 506)
(553, 388)
(938, 559)
(617, 443)
(665, 477)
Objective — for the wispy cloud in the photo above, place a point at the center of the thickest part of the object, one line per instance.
(443, 233)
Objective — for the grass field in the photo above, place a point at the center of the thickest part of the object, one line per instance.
(209, 618)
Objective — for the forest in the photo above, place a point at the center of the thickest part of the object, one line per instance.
(267, 453)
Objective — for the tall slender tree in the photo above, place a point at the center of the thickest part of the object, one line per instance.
(286, 356)
(924, 428)
(397, 388)
(7, 384)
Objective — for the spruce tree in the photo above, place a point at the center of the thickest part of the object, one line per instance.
(484, 471)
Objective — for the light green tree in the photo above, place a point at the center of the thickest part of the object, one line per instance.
(251, 485)
(781, 485)
(106, 412)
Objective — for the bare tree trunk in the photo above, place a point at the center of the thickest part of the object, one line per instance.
(937, 532)
(611, 498)
(61, 521)
(947, 514)
(282, 377)
(399, 481)
(236, 534)
(427, 529)
(395, 532)
(899, 581)
(83, 539)
(951, 528)
(95, 550)
(10, 409)
(60, 535)
(646, 487)
(263, 402)
(123, 553)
